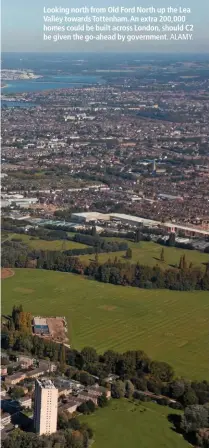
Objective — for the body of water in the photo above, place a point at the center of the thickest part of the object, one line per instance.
(5, 103)
(50, 83)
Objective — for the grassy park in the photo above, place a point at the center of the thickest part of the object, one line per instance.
(148, 253)
(133, 423)
(39, 244)
(168, 325)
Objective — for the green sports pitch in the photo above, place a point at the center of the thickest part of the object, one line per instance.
(170, 326)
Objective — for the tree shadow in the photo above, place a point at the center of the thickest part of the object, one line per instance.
(175, 266)
(175, 419)
(156, 258)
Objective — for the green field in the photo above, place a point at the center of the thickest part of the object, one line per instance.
(170, 326)
(140, 425)
(39, 244)
(148, 253)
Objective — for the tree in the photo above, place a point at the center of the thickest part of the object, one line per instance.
(87, 407)
(118, 389)
(83, 408)
(25, 321)
(17, 392)
(86, 379)
(62, 356)
(94, 231)
(154, 385)
(10, 370)
(202, 391)
(89, 355)
(129, 253)
(184, 263)
(91, 406)
(138, 236)
(194, 418)
(181, 263)
(189, 397)
(110, 358)
(171, 239)
(96, 258)
(129, 387)
(161, 370)
(63, 420)
(102, 401)
(177, 388)
(205, 280)
(162, 255)
(16, 316)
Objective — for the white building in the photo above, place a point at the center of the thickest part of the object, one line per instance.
(85, 217)
(25, 402)
(46, 405)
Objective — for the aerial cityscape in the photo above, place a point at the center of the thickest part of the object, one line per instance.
(104, 250)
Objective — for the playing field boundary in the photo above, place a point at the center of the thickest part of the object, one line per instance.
(6, 273)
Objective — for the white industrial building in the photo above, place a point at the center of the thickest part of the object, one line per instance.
(136, 221)
(17, 200)
(89, 216)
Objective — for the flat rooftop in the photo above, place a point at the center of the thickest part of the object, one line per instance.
(39, 321)
(46, 384)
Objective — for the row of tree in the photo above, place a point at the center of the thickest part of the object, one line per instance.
(75, 435)
(99, 243)
(117, 272)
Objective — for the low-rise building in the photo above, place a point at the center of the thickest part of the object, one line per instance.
(5, 419)
(25, 402)
(111, 378)
(3, 393)
(15, 378)
(3, 371)
(71, 405)
(26, 362)
(35, 373)
(86, 396)
(97, 391)
(64, 391)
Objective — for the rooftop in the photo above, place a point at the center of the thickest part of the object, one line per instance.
(39, 321)
(46, 384)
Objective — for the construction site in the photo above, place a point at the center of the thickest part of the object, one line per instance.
(53, 328)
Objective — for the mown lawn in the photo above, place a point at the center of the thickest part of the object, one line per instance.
(124, 423)
(46, 245)
(148, 253)
(170, 326)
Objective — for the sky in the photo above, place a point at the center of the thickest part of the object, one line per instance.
(22, 27)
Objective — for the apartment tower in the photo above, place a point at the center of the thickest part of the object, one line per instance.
(45, 409)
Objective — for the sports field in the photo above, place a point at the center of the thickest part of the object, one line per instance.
(148, 253)
(124, 423)
(171, 326)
